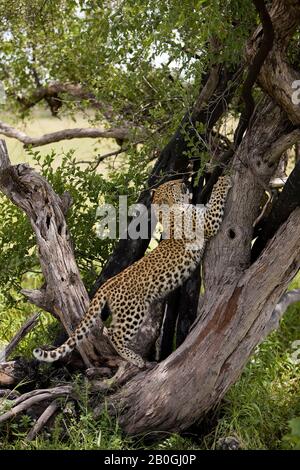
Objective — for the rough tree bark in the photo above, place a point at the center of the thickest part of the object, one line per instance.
(121, 133)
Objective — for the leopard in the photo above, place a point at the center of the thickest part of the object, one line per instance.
(130, 294)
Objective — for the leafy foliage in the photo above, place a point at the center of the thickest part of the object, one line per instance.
(292, 440)
(144, 58)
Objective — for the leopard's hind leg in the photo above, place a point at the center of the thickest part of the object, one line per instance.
(120, 345)
(124, 327)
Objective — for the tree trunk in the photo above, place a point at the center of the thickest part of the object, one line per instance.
(194, 378)
(237, 306)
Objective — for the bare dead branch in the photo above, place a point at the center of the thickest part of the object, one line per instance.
(96, 162)
(63, 293)
(38, 297)
(122, 133)
(4, 158)
(283, 144)
(23, 331)
(287, 201)
(43, 419)
(26, 396)
(48, 394)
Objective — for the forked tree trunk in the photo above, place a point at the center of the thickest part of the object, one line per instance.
(236, 309)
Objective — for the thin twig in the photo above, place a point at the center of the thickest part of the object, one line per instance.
(96, 162)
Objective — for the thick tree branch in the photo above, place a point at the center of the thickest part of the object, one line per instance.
(254, 69)
(276, 76)
(66, 134)
(288, 200)
(43, 419)
(283, 144)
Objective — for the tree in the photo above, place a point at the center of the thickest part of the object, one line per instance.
(231, 59)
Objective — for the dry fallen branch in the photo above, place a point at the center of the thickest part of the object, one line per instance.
(33, 398)
(24, 330)
(43, 419)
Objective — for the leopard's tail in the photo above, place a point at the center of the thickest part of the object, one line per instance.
(81, 332)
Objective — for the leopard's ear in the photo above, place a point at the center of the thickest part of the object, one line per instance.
(152, 192)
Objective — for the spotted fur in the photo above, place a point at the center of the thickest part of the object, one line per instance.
(130, 293)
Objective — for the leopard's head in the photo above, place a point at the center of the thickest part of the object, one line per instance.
(169, 199)
(171, 192)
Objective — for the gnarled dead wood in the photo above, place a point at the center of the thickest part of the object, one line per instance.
(63, 293)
